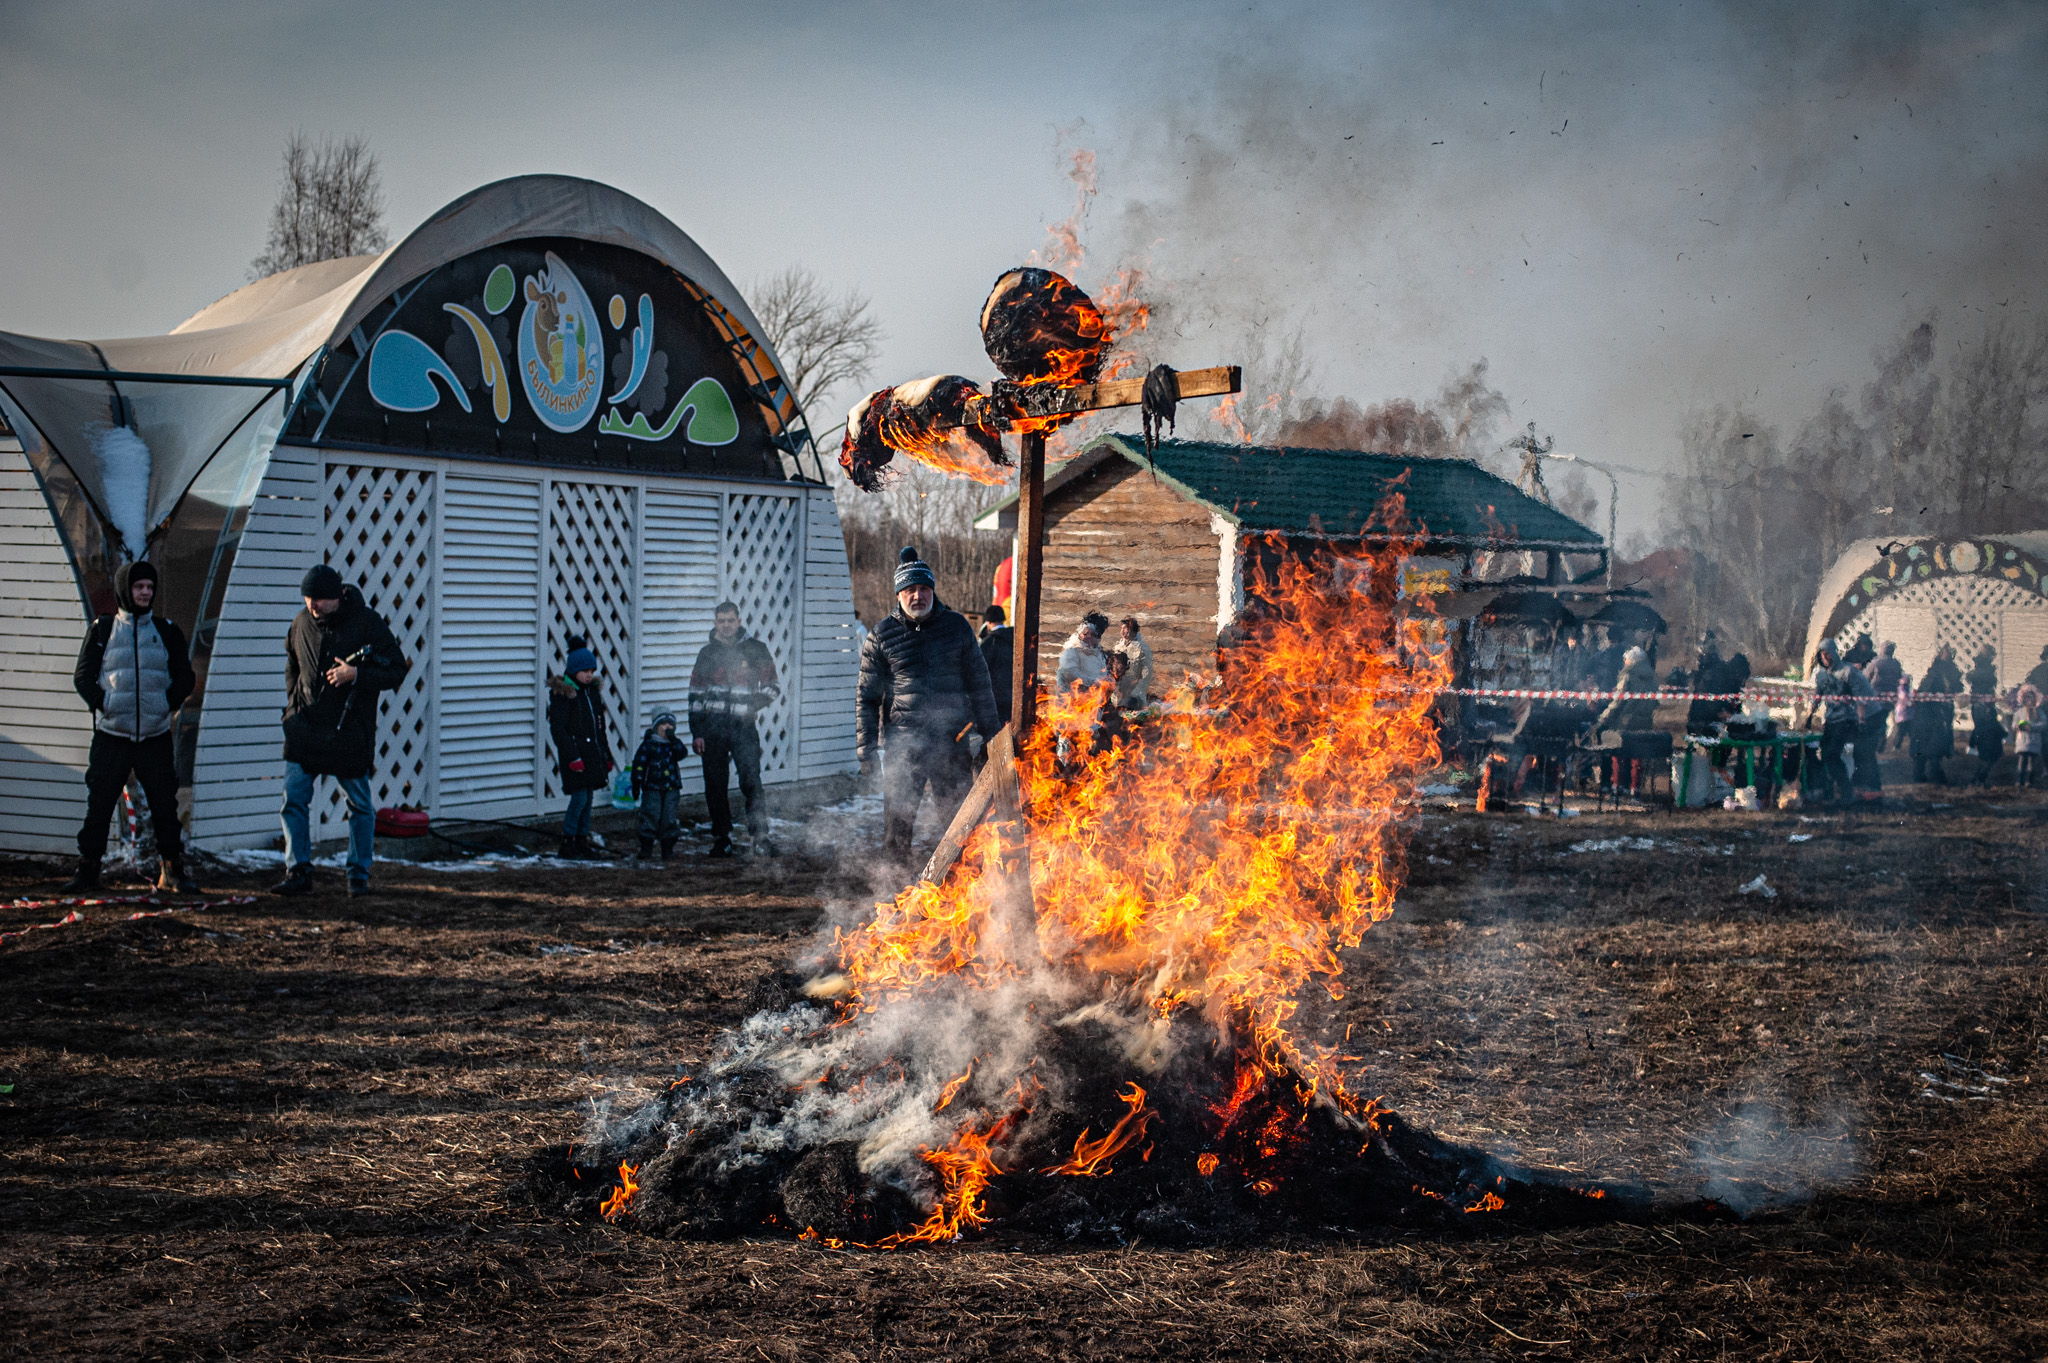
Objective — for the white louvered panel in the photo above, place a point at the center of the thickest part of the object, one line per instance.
(489, 741)
(238, 767)
(831, 664)
(679, 589)
(591, 538)
(763, 567)
(380, 536)
(44, 728)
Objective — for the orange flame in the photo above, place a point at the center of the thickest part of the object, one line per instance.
(620, 1198)
(1214, 866)
(964, 1168)
(1090, 1158)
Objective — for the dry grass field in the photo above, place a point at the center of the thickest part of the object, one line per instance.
(296, 1129)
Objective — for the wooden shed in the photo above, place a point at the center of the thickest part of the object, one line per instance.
(1171, 539)
(544, 412)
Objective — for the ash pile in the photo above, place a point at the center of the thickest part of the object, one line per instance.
(1107, 1125)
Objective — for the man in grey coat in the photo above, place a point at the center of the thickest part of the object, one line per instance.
(134, 670)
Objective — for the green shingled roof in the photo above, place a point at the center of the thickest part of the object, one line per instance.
(1334, 492)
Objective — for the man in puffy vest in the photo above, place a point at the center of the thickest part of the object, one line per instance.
(923, 668)
(732, 683)
(134, 671)
(338, 655)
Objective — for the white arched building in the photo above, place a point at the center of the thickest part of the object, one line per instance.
(1922, 593)
(544, 412)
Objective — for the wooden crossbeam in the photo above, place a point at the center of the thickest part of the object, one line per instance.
(1048, 399)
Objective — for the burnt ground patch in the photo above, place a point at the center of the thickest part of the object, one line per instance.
(297, 1128)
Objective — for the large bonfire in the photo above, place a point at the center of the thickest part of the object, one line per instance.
(1099, 1021)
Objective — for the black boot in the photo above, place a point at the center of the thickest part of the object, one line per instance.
(668, 848)
(86, 879)
(721, 845)
(299, 880)
(171, 875)
(646, 848)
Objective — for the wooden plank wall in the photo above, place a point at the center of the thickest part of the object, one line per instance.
(45, 728)
(1119, 542)
(831, 667)
(238, 770)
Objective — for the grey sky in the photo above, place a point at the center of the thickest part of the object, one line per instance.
(1627, 210)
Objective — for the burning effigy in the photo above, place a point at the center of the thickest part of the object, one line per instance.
(1097, 1022)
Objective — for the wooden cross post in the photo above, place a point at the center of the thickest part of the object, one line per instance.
(995, 791)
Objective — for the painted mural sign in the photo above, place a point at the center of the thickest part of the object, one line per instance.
(555, 351)
(1925, 560)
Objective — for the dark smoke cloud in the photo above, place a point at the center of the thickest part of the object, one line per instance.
(1628, 212)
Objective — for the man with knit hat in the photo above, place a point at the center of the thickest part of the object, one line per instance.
(922, 668)
(338, 654)
(134, 670)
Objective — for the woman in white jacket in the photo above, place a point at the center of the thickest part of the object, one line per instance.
(1082, 662)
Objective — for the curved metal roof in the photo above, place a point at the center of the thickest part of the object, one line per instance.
(271, 328)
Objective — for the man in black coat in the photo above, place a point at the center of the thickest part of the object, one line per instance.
(922, 664)
(732, 682)
(999, 651)
(134, 670)
(338, 655)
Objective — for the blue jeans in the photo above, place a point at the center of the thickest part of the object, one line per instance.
(576, 818)
(298, 837)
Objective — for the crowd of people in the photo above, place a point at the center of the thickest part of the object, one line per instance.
(1864, 692)
(932, 691)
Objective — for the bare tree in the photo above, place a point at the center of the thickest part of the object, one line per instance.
(1461, 422)
(330, 206)
(1993, 432)
(824, 340)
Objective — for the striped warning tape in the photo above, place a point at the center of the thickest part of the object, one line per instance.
(76, 915)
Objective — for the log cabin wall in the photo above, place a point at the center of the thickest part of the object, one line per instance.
(1120, 542)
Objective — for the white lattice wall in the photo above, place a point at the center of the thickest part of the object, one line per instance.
(592, 544)
(1966, 612)
(483, 575)
(763, 577)
(380, 535)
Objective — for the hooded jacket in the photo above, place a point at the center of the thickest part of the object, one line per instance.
(133, 668)
(1639, 677)
(930, 676)
(332, 730)
(658, 763)
(576, 723)
(731, 684)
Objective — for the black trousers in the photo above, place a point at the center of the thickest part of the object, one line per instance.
(1869, 743)
(107, 766)
(1834, 779)
(906, 770)
(726, 748)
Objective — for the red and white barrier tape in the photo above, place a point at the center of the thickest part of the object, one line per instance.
(1804, 693)
(75, 905)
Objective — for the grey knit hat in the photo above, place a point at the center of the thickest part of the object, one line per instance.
(912, 571)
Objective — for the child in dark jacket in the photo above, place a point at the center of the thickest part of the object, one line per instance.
(658, 781)
(576, 722)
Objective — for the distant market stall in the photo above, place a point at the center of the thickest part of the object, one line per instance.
(544, 412)
(1175, 538)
